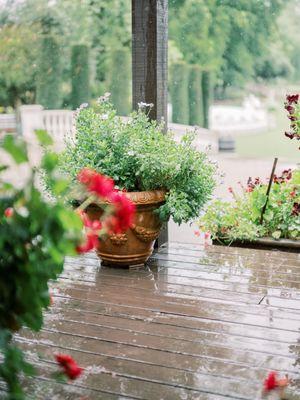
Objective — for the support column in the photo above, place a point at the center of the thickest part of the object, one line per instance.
(149, 55)
(150, 62)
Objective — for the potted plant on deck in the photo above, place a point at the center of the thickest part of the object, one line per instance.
(240, 222)
(263, 214)
(163, 178)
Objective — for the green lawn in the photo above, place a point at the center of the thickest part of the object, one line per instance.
(272, 143)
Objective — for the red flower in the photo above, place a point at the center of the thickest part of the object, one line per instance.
(290, 135)
(124, 213)
(207, 235)
(290, 109)
(91, 242)
(257, 182)
(197, 233)
(287, 174)
(270, 382)
(292, 98)
(69, 366)
(101, 185)
(293, 193)
(92, 235)
(85, 176)
(296, 209)
(230, 190)
(97, 183)
(9, 212)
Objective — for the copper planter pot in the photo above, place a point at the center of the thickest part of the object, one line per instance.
(134, 246)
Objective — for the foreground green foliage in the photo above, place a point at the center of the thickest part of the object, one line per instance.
(138, 156)
(35, 236)
(240, 219)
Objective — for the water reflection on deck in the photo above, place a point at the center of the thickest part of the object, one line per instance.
(196, 323)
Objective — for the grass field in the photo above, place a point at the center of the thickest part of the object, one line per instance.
(271, 143)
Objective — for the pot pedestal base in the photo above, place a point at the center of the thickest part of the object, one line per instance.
(119, 261)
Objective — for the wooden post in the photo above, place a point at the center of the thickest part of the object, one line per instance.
(150, 62)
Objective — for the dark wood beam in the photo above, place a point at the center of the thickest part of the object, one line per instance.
(149, 55)
(150, 61)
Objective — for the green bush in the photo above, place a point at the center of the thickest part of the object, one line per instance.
(240, 219)
(80, 75)
(179, 93)
(195, 96)
(138, 156)
(49, 77)
(119, 80)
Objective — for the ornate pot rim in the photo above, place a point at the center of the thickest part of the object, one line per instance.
(147, 197)
(141, 198)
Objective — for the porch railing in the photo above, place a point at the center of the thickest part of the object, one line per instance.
(60, 125)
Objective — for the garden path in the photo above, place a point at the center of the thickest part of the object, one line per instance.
(198, 322)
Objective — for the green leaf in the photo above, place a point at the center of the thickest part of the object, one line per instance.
(60, 186)
(16, 149)
(3, 168)
(269, 215)
(276, 234)
(69, 219)
(49, 161)
(43, 137)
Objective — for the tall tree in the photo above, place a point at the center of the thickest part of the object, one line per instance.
(119, 80)
(252, 29)
(49, 77)
(179, 93)
(225, 37)
(18, 60)
(195, 96)
(80, 75)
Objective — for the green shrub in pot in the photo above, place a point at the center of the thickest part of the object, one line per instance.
(138, 156)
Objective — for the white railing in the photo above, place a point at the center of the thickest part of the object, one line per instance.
(8, 123)
(250, 117)
(60, 125)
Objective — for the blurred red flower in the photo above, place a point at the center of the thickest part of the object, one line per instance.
(69, 366)
(124, 212)
(96, 183)
(270, 382)
(91, 242)
(123, 209)
(9, 212)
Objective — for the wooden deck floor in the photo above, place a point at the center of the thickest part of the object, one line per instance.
(196, 323)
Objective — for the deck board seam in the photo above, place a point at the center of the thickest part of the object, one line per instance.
(182, 314)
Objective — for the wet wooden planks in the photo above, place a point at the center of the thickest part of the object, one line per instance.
(196, 323)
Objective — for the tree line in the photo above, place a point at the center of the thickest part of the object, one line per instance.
(61, 53)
